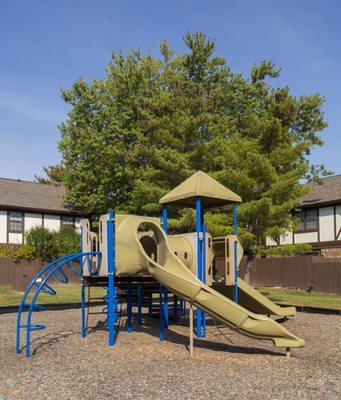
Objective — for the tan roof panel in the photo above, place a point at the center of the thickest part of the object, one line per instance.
(212, 193)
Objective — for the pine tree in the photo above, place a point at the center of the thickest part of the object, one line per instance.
(152, 122)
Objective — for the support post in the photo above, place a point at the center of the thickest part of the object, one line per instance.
(175, 308)
(162, 336)
(235, 232)
(83, 308)
(203, 315)
(139, 305)
(82, 293)
(129, 309)
(191, 330)
(165, 307)
(165, 219)
(164, 291)
(111, 273)
(150, 304)
(198, 225)
(287, 352)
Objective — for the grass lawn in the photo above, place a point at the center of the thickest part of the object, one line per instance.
(302, 298)
(70, 293)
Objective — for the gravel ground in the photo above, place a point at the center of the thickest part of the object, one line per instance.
(229, 366)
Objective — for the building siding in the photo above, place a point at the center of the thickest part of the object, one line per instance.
(32, 220)
(326, 224)
(52, 222)
(306, 237)
(49, 221)
(15, 238)
(286, 238)
(328, 233)
(3, 226)
(78, 224)
(338, 221)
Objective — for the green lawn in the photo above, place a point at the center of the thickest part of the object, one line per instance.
(69, 293)
(302, 298)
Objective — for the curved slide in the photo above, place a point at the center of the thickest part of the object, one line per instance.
(131, 258)
(253, 300)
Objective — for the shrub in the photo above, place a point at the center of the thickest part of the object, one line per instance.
(50, 245)
(285, 250)
(43, 241)
(67, 241)
(44, 244)
(16, 253)
(25, 252)
(6, 251)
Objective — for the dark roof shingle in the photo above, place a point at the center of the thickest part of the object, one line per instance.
(32, 196)
(329, 191)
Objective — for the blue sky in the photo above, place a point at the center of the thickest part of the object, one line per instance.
(46, 45)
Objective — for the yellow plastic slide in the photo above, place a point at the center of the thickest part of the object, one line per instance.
(254, 301)
(132, 258)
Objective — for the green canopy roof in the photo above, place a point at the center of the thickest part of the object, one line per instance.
(212, 193)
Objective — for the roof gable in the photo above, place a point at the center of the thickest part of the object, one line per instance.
(213, 193)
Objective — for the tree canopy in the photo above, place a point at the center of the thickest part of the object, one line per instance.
(151, 122)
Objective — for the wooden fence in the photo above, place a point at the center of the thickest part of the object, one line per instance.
(322, 274)
(20, 274)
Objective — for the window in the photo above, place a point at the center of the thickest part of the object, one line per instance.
(15, 222)
(67, 220)
(308, 220)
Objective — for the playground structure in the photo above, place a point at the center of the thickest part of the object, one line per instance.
(134, 258)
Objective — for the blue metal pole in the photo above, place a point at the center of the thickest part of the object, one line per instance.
(235, 244)
(175, 308)
(165, 307)
(162, 336)
(203, 315)
(82, 294)
(165, 218)
(111, 273)
(83, 308)
(150, 304)
(198, 225)
(129, 309)
(139, 305)
(164, 290)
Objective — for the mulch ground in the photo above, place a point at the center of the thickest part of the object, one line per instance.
(225, 365)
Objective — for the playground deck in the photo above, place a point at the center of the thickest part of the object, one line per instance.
(65, 366)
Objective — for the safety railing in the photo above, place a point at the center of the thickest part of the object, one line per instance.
(39, 284)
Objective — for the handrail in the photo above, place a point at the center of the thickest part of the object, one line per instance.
(56, 269)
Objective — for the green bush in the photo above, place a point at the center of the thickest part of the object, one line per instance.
(16, 253)
(50, 245)
(43, 241)
(6, 251)
(25, 252)
(285, 250)
(67, 241)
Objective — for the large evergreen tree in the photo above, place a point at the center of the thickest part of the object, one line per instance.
(150, 123)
